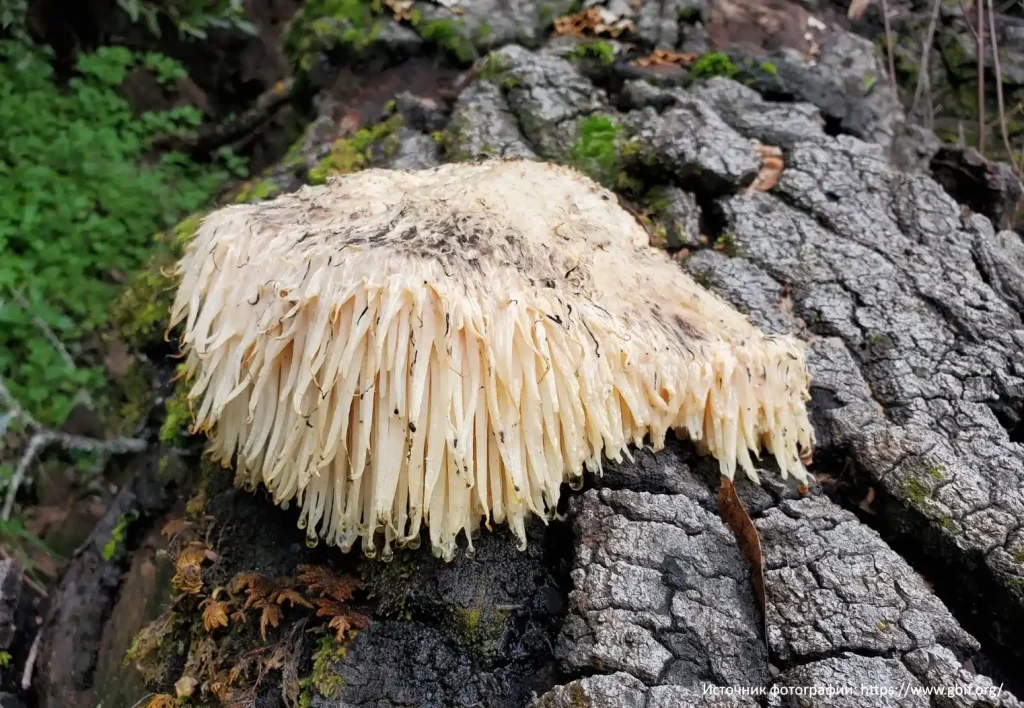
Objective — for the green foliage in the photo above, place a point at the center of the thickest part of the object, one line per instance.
(713, 64)
(769, 68)
(601, 52)
(12, 19)
(118, 535)
(596, 150)
(256, 190)
(353, 154)
(450, 35)
(192, 18)
(5, 659)
(324, 24)
(80, 196)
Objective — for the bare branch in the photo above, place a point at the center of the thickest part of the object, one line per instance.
(981, 76)
(889, 47)
(44, 437)
(999, 84)
(47, 331)
(923, 79)
(30, 662)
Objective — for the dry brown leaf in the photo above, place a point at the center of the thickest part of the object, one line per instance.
(735, 516)
(162, 700)
(320, 580)
(663, 57)
(592, 22)
(271, 616)
(189, 568)
(772, 165)
(174, 527)
(292, 597)
(346, 622)
(257, 587)
(215, 615)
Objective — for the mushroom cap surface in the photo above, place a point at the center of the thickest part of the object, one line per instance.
(449, 346)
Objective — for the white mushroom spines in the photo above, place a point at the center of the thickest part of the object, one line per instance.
(448, 346)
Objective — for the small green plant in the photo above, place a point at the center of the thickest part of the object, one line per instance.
(324, 24)
(80, 197)
(769, 68)
(601, 52)
(596, 150)
(450, 35)
(192, 18)
(713, 64)
(353, 154)
(118, 535)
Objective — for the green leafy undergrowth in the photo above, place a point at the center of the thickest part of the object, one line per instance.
(81, 195)
(324, 24)
(596, 149)
(192, 18)
(714, 64)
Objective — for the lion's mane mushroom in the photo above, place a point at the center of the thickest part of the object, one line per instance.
(448, 346)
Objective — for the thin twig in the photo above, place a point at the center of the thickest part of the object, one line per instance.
(963, 11)
(923, 78)
(981, 76)
(30, 662)
(888, 44)
(999, 83)
(44, 437)
(50, 335)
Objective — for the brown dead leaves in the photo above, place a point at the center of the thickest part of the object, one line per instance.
(188, 567)
(772, 164)
(215, 615)
(592, 22)
(663, 57)
(333, 595)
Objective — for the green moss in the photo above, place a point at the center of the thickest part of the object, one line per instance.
(713, 64)
(689, 15)
(493, 69)
(115, 544)
(769, 68)
(726, 243)
(1018, 556)
(177, 413)
(479, 628)
(254, 191)
(868, 82)
(353, 154)
(546, 14)
(937, 471)
(601, 52)
(143, 308)
(450, 35)
(140, 313)
(483, 34)
(324, 679)
(915, 492)
(596, 149)
(325, 24)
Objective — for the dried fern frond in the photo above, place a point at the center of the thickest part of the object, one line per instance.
(448, 346)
